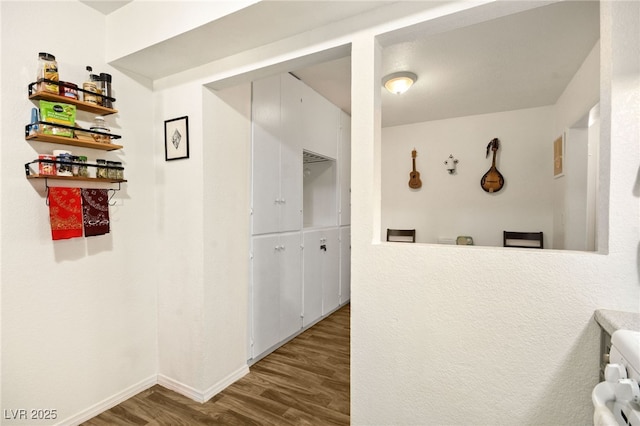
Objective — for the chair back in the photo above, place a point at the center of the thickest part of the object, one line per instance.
(401, 235)
(523, 239)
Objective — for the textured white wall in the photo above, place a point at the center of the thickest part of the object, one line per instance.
(480, 335)
(440, 334)
(78, 316)
(227, 159)
(203, 227)
(451, 205)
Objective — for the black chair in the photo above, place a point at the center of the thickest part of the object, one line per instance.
(401, 235)
(523, 239)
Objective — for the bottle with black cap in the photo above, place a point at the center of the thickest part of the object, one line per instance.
(105, 85)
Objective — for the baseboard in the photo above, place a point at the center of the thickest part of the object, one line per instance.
(222, 384)
(181, 388)
(110, 402)
(197, 395)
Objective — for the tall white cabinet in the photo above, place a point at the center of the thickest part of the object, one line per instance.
(300, 252)
(276, 156)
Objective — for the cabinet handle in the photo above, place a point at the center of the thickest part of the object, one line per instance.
(323, 247)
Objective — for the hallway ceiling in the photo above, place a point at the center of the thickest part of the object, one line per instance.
(521, 60)
(518, 61)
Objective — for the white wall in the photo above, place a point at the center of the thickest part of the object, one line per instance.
(203, 205)
(572, 111)
(78, 316)
(440, 334)
(454, 335)
(451, 205)
(227, 147)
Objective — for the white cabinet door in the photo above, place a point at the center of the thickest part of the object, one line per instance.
(321, 258)
(312, 276)
(276, 155)
(265, 156)
(266, 293)
(290, 284)
(276, 289)
(344, 169)
(320, 120)
(291, 154)
(345, 264)
(330, 270)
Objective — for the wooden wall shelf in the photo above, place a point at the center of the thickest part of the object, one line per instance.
(83, 106)
(39, 137)
(76, 178)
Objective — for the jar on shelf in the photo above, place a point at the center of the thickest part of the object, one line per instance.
(101, 172)
(119, 170)
(84, 170)
(75, 166)
(90, 88)
(47, 165)
(111, 171)
(47, 70)
(68, 90)
(63, 165)
(99, 125)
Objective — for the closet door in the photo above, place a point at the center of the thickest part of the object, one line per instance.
(266, 293)
(330, 270)
(312, 255)
(265, 155)
(290, 258)
(291, 154)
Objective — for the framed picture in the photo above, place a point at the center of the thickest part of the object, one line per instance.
(558, 157)
(176, 138)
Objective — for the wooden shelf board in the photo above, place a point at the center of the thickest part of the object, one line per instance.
(39, 137)
(83, 106)
(76, 178)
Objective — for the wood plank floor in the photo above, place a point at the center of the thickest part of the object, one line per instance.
(305, 382)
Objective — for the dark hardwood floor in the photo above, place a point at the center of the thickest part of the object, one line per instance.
(305, 382)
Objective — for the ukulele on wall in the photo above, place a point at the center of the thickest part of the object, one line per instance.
(492, 181)
(414, 176)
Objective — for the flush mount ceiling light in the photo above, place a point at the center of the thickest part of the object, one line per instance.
(399, 82)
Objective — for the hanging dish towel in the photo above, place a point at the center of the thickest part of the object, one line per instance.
(65, 213)
(95, 206)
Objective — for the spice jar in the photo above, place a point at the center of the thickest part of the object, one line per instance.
(63, 164)
(99, 125)
(84, 170)
(91, 87)
(68, 90)
(111, 171)
(47, 70)
(119, 170)
(101, 172)
(47, 165)
(75, 166)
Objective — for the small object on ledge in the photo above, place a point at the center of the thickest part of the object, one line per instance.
(464, 240)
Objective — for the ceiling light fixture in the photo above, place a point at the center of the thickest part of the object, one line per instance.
(399, 82)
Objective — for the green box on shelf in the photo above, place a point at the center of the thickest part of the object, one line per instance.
(60, 113)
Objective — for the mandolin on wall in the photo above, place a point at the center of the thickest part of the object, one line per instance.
(492, 181)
